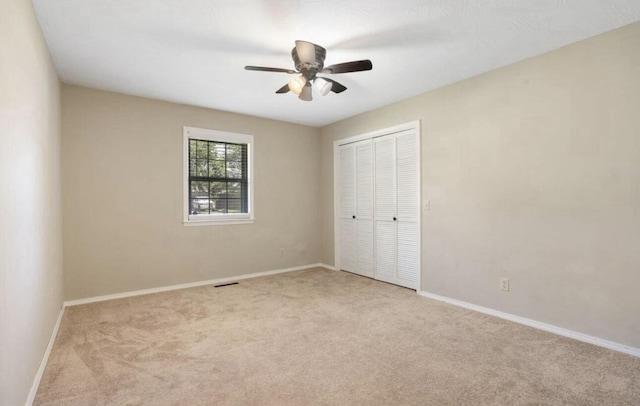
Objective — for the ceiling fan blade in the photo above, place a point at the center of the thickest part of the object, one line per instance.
(265, 69)
(283, 89)
(336, 87)
(355, 66)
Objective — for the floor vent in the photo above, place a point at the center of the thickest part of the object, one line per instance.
(225, 284)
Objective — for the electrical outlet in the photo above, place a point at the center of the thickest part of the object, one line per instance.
(504, 284)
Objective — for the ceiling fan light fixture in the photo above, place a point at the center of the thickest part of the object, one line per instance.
(323, 86)
(297, 84)
(305, 94)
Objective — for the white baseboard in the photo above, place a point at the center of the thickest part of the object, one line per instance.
(537, 324)
(329, 267)
(188, 285)
(45, 359)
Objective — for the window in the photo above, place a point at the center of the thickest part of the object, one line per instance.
(218, 184)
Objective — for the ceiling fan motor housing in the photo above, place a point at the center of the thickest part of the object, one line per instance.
(309, 66)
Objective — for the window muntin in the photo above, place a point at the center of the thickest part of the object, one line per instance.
(218, 185)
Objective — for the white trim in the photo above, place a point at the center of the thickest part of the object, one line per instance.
(187, 285)
(336, 204)
(378, 133)
(217, 223)
(215, 135)
(419, 197)
(537, 324)
(329, 267)
(45, 360)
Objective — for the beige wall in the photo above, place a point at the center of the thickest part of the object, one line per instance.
(533, 173)
(122, 171)
(30, 204)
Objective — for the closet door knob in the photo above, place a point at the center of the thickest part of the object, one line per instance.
(354, 216)
(394, 219)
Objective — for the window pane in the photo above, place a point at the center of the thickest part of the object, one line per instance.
(234, 169)
(234, 190)
(234, 152)
(200, 198)
(216, 169)
(218, 190)
(202, 168)
(199, 189)
(202, 151)
(216, 151)
(192, 167)
(234, 206)
(192, 149)
(221, 206)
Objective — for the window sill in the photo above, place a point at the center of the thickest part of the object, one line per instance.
(224, 222)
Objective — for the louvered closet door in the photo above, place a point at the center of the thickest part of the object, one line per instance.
(356, 208)
(407, 209)
(348, 233)
(385, 208)
(397, 209)
(364, 208)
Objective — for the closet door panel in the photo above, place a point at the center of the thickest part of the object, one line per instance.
(348, 245)
(348, 230)
(364, 182)
(408, 197)
(408, 254)
(385, 251)
(347, 182)
(385, 179)
(356, 207)
(364, 207)
(364, 265)
(408, 206)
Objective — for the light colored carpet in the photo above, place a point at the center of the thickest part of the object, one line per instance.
(319, 337)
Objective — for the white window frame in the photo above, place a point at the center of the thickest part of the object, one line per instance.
(222, 136)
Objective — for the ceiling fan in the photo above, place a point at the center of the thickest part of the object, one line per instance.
(308, 60)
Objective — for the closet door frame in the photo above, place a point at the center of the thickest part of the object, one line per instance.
(412, 125)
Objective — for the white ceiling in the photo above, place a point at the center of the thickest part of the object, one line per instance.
(194, 51)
